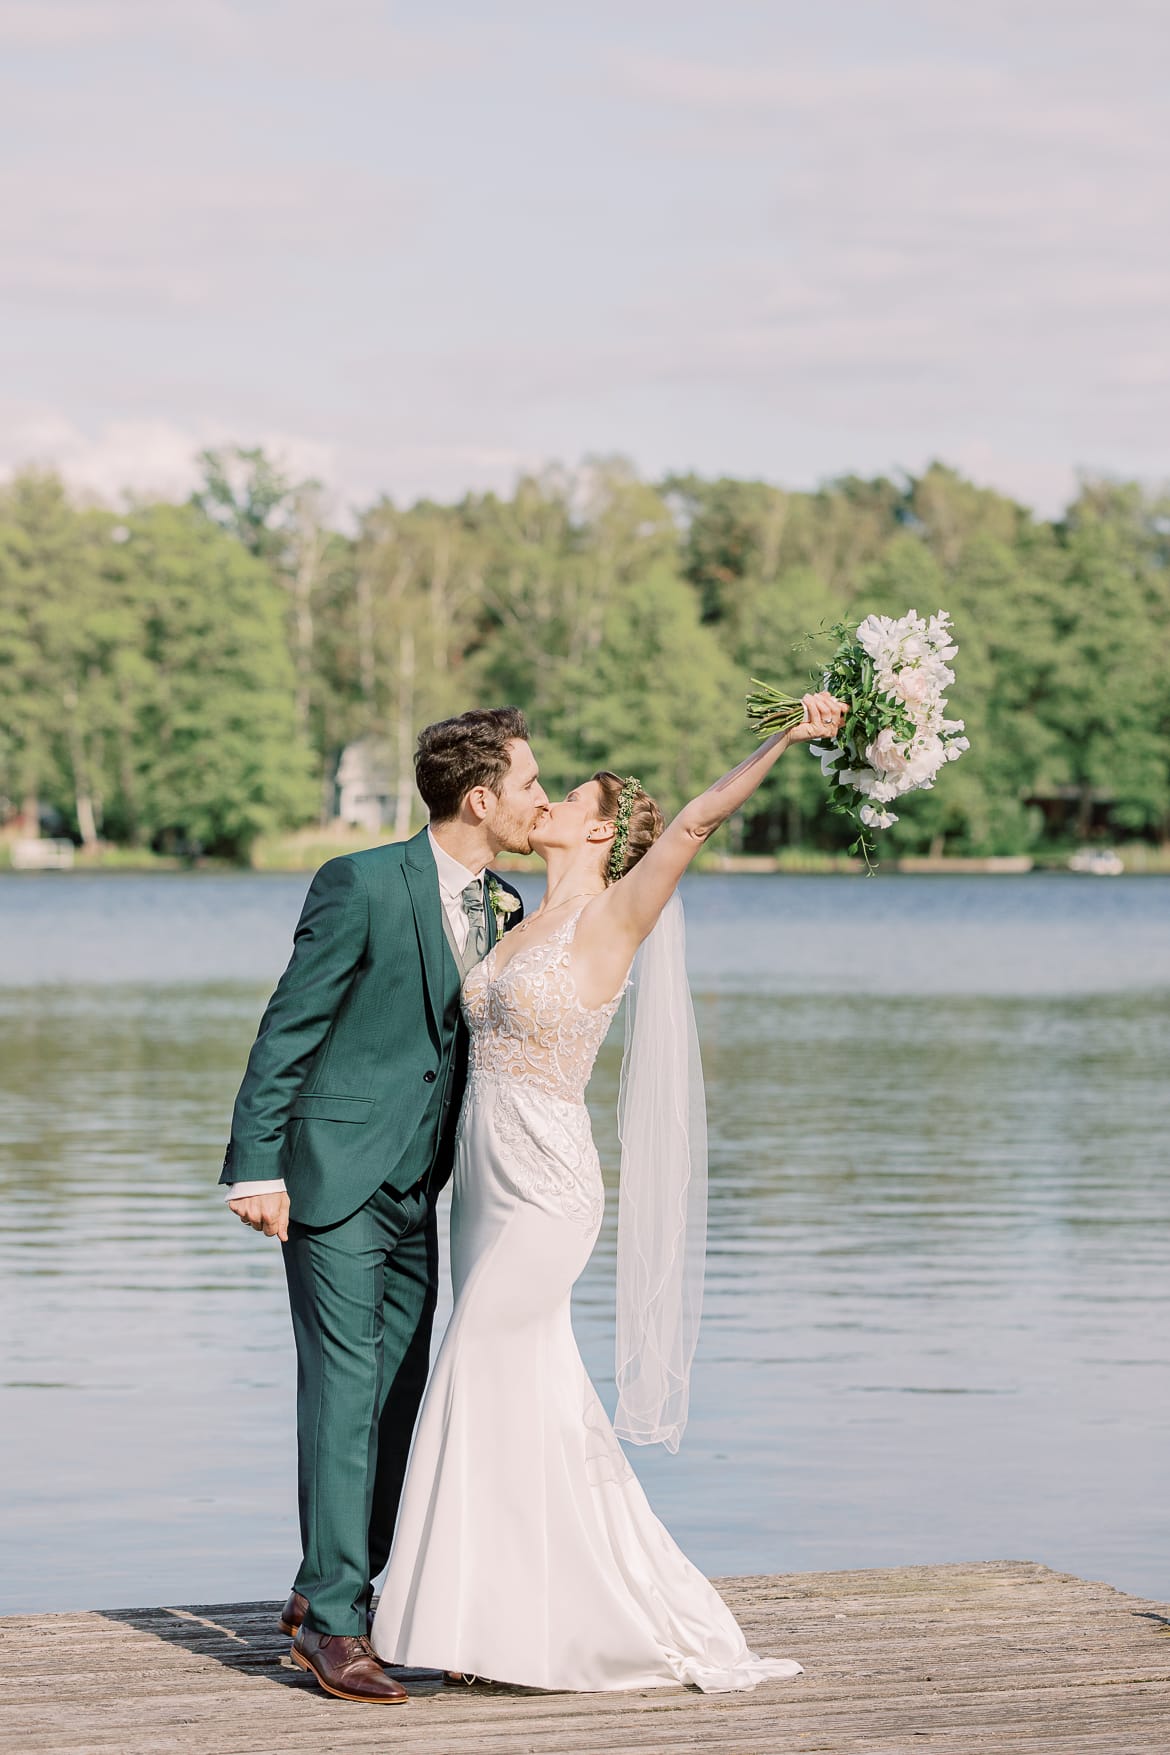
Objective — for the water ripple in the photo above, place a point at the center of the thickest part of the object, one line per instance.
(936, 1315)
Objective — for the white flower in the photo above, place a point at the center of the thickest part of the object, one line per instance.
(876, 819)
(830, 754)
(874, 634)
(502, 902)
(923, 759)
(938, 633)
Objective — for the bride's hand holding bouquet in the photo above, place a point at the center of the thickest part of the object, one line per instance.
(824, 715)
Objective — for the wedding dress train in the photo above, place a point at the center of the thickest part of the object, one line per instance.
(525, 1548)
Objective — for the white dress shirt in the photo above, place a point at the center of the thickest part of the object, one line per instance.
(453, 880)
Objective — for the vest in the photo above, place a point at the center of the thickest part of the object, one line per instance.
(431, 1147)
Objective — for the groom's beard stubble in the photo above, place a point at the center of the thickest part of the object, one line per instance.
(513, 830)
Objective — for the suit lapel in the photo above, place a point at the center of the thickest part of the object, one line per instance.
(422, 881)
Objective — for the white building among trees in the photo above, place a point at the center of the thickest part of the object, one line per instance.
(366, 796)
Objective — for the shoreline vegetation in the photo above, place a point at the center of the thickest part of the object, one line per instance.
(305, 850)
(206, 680)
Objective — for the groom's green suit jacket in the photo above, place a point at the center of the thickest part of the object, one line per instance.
(358, 1067)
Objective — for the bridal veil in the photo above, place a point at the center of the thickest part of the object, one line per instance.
(662, 1202)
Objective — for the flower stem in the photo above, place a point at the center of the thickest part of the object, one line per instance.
(864, 846)
(769, 711)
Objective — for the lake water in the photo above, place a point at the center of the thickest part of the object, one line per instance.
(937, 1323)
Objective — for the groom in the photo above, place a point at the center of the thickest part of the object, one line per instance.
(343, 1135)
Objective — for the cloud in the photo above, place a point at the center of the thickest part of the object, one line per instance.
(905, 100)
(944, 231)
(802, 85)
(178, 238)
(1046, 487)
(33, 24)
(1094, 40)
(150, 456)
(944, 239)
(352, 39)
(146, 457)
(150, 178)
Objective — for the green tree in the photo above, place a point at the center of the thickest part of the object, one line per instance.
(248, 495)
(657, 697)
(58, 625)
(773, 641)
(175, 674)
(221, 761)
(1111, 654)
(284, 523)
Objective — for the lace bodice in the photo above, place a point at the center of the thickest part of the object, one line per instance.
(528, 1023)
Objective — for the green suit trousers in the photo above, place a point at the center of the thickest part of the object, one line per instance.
(362, 1295)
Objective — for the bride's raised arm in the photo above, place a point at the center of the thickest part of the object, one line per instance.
(632, 905)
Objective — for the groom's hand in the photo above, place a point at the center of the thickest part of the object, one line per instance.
(264, 1212)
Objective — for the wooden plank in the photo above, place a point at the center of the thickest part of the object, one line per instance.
(1006, 1657)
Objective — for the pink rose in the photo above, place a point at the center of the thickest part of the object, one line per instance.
(885, 755)
(913, 686)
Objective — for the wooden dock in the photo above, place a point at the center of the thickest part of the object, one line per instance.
(1006, 1657)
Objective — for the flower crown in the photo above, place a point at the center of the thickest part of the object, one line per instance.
(621, 828)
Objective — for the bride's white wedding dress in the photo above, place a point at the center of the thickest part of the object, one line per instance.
(525, 1547)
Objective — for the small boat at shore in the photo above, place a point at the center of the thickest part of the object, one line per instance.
(1097, 862)
(42, 855)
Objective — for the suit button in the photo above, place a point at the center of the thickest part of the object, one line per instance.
(429, 1078)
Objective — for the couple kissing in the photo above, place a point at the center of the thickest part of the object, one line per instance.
(426, 1031)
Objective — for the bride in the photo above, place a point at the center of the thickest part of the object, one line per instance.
(526, 1550)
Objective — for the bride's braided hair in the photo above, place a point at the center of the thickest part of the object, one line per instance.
(638, 822)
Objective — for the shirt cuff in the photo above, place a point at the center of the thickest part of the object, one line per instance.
(241, 1190)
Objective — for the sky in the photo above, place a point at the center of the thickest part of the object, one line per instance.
(416, 249)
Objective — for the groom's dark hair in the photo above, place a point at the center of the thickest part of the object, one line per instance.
(456, 755)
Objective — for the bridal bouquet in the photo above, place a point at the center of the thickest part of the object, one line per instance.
(895, 737)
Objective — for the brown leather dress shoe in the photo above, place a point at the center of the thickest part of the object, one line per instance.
(293, 1614)
(346, 1667)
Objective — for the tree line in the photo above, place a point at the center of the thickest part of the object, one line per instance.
(184, 676)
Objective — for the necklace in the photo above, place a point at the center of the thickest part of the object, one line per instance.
(541, 912)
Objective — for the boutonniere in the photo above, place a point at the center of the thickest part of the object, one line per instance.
(502, 902)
